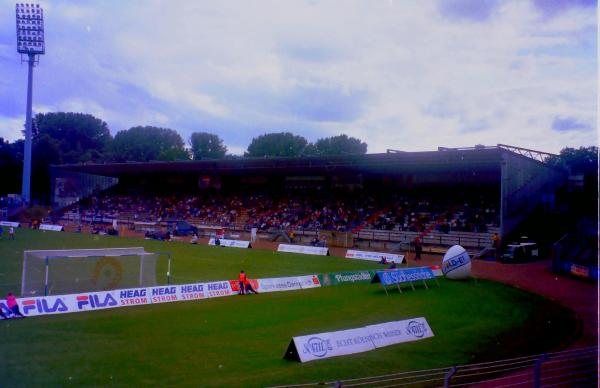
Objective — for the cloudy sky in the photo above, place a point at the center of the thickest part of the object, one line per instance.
(403, 74)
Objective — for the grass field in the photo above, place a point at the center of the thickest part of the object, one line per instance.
(240, 341)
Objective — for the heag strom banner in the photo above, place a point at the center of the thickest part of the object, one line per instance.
(72, 303)
(374, 256)
(338, 343)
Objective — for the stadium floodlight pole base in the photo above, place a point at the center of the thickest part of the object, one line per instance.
(46, 280)
(169, 269)
(26, 186)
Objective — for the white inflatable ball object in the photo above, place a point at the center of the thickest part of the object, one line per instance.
(456, 264)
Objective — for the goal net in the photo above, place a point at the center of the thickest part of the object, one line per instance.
(52, 272)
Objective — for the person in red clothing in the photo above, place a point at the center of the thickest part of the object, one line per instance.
(242, 280)
(11, 302)
(249, 288)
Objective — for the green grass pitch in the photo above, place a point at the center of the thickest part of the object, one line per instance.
(240, 340)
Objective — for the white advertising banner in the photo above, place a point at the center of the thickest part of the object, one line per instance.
(10, 223)
(72, 303)
(218, 289)
(55, 228)
(309, 281)
(279, 284)
(374, 256)
(230, 243)
(288, 283)
(324, 345)
(308, 250)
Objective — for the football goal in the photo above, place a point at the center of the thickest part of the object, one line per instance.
(69, 271)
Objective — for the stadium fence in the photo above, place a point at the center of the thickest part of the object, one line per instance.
(577, 367)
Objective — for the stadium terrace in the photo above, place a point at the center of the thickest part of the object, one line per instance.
(479, 189)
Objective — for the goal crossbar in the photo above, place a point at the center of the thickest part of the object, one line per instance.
(47, 256)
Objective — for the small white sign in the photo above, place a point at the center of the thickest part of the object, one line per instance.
(374, 256)
(9, 223)
(230, 243)
(304, 249)
(55, 228)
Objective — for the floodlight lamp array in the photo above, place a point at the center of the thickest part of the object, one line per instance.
(30, 29)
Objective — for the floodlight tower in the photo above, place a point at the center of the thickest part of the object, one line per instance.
(30, 42)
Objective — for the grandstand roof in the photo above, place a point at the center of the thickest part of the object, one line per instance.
(487, 159)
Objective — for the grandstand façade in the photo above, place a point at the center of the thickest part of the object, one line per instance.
(515, 180)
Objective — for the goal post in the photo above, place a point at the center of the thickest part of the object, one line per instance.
(51, 272)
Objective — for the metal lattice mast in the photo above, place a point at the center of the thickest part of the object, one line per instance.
(30, 42)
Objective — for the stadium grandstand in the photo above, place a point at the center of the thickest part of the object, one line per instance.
(444, 197)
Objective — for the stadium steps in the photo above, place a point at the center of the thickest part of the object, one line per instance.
(370, 220)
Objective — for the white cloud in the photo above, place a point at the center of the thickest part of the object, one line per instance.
(11, 128)
(418, 79)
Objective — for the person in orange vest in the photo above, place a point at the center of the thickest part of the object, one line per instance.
(242, 281)
(249, 288)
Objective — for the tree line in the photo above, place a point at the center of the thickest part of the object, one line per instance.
(70, 138)
(80, 138)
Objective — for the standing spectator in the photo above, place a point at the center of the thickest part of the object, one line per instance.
(242, 282)
(11, 233)
(1, 231)
(497, 244)
(11, 302)
(418, 249)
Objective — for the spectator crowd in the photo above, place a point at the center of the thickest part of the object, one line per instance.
(287, 211)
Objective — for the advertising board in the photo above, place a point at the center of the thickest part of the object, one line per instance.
(304, 249)
(338, 343)
(375, 256)
(230, 243)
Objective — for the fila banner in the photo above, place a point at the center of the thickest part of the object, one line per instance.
(73, 303)
(339, 343)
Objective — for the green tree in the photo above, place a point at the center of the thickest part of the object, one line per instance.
(207, 146)
(276, 144)
(143, 144)
(340, 145)
(582, 160)
(78, 137)
(11, 166)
